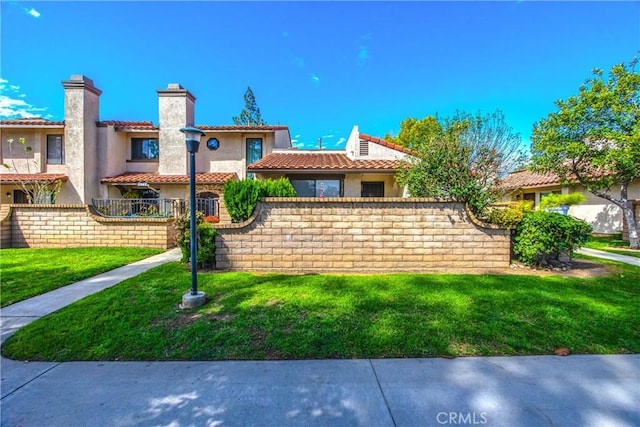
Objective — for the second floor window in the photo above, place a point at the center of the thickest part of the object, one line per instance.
(144, 149)
(254, 152)
(55, 150)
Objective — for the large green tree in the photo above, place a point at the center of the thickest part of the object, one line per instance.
(594, 138)
(250, 115)
(460, 157)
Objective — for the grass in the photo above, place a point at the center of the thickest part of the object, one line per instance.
(613, 244)
(26, 273)
(254, 317)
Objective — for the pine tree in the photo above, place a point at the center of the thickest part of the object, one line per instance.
(250, 115)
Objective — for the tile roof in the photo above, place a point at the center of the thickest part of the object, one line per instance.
(14, 178)
(155, 178)
(319, 161)
(239, 127)
(527, 179)
(129, 125)
(31, 122)
(387, 144)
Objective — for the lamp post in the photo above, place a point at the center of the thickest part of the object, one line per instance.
(194, 298)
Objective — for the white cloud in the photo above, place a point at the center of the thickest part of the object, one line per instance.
(297, 136)
(32, 12)
(363, 55)
(11, 107)
(341, 140)
(327, 136)
(315, 79)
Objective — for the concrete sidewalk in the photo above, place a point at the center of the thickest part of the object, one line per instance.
(492, 391)
(610, 256)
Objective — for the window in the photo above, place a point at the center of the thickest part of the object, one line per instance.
(318, 187)
(144, 149)
(55, 150)
(372, 189)
(254, 152)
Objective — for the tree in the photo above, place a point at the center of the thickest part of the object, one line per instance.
(250, 115)
(594, 138)
(38, 191)
(461, 157)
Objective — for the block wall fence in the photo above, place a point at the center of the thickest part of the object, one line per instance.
(78, 226)
(306, 235)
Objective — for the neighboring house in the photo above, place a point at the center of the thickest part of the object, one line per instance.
(366, 167)
(602, 215)
(103, 162)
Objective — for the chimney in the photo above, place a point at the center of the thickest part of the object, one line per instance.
(176, 110)
(81, 112)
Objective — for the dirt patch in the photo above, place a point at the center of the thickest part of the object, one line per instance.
(579, 268)
(183, 320)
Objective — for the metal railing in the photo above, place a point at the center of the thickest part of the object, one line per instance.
(151, 208)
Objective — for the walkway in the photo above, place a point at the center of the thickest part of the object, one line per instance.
(493, 391)
(610, 256)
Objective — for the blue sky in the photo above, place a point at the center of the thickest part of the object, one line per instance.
(318, 67)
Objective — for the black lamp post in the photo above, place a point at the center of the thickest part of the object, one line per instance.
(192, 136)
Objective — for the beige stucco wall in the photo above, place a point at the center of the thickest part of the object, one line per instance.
(176, 110)
(232, 154)
(15, 156)
(306, 235)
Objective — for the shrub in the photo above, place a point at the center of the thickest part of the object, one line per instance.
(543, 236)
(509, 215)
(241, 197)
(206, 243)
(551, 200)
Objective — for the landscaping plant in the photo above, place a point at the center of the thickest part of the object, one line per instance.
(552, 200)
(543, 236)
(242, 197)
(206, 253)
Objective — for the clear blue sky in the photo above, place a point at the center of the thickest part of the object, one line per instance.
(318, 67)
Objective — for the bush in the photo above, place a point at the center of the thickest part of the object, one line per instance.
(241, 197)
(543, 236)
(552, 200)
(509, 215)
(206, 243)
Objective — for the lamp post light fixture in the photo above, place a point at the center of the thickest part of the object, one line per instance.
(192, 138)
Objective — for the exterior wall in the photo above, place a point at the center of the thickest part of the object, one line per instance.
(353, 184)
(15, 156)
(76, 226)
(81, 106)
(176, 110)
(232, 154)
(361, 235)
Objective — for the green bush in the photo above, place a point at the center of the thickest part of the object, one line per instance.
(543, 236)
(241, 197)
(509, 215)
(206, 246)
(551, 200)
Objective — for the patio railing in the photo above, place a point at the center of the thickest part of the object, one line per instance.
(151, 208)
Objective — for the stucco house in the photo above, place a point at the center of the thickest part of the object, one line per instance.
(602, 215)
(101, 162)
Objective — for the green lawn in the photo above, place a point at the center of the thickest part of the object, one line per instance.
(275, 316)
(613, 244)
(25, 273)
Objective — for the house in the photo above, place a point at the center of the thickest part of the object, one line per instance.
(602, 215)
(115, 164)
(366, 167)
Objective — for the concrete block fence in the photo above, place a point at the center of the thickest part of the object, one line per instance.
(305, 235)
(78, 226)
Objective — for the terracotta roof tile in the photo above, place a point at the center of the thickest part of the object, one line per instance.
(31, 122)
(14, 178)
(527, 179)
(155, 178)
(319, 161)
(243, 128)
(129, 125)
(387, 144)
